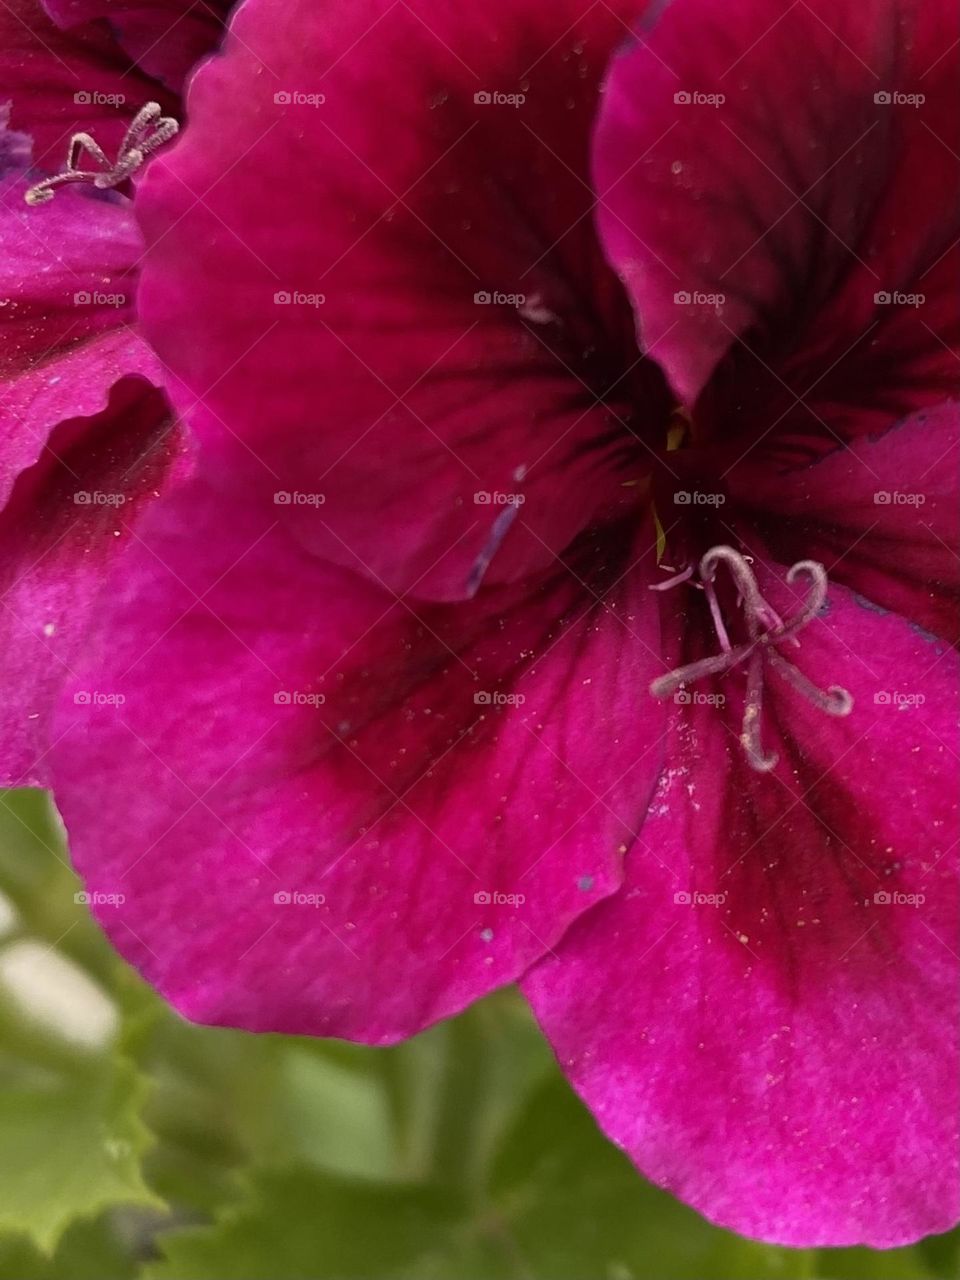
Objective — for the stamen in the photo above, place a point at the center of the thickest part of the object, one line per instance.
(717, 617)
(752, 708)
(675, 581)
(832, 701)
(665, 685)
(148, 130)
(766, 631)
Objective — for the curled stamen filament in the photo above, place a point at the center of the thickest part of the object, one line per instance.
(148, 130)
(766, 630)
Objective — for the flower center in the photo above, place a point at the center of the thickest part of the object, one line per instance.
(766, 632)
(148, 131)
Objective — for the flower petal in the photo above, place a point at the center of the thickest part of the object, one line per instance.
(415, 324)
(780, 1051)
(68, 517)
(60, 83)
(775, 184)
(165, 38)
(67, 277)
(325, 799)
(882, 515)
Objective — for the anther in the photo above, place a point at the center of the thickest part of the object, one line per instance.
(766, 630)
(148, 130)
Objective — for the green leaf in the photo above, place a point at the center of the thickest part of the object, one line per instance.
(71, 1147)
(71, 1136)
(305, 1225)
(96, 1250)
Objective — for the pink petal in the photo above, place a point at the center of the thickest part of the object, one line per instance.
(86, 435)
(62, 82)
(68, 276)
(883, 515)
(287, 728)
(69, 516)
(165, 38)
(784, 1058)
(387, 388)
(786, 209)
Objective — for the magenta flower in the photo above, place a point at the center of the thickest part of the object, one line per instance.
(567, 587)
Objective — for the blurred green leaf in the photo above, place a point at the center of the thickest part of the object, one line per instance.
(854, 1264)
(304, 1225)
(102, 1249)
(70, 1128)
(71, 1147)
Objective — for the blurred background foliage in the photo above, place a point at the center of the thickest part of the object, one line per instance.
(136, 1145)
